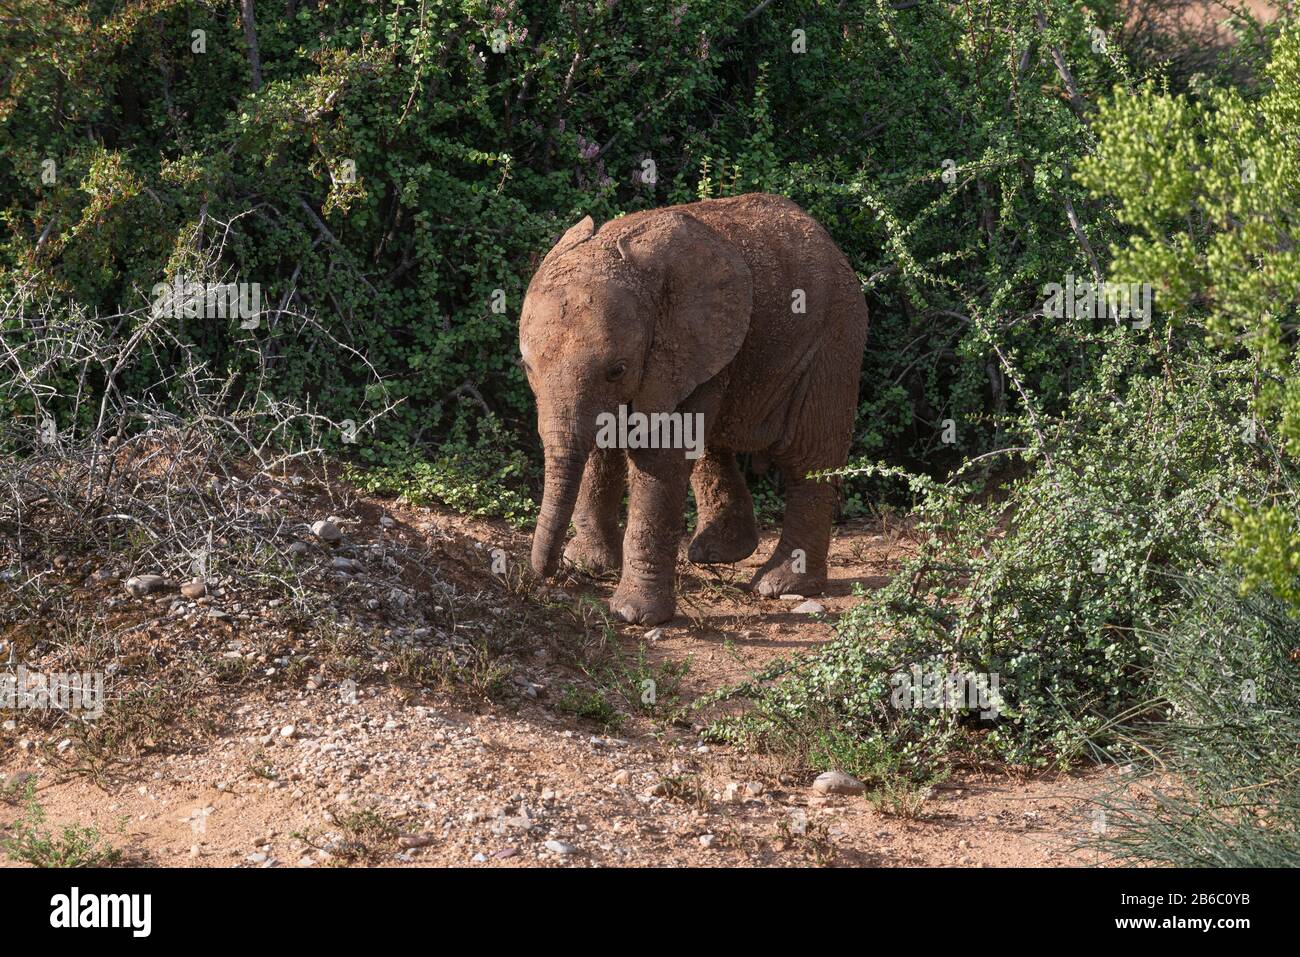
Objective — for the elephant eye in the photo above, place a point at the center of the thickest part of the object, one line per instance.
(616, 372)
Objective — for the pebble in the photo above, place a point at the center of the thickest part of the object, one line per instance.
(810, 607)
(327, 531)
(791, 596)
(194, 588)
(623, 778)
(837, 782)
(141, 585)
(563, 848)
(288, 731)
(298, 549)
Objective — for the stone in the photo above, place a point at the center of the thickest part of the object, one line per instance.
(837, 782)
(415, 840)
(327, 531)
(562, 848)
(299, 549)
(141, 585)
(194, 588)
(810, 607)
(623, 778)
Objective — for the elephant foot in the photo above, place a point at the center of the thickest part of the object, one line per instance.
(721, 542)
(781, 578)
(594, 557)
(639, 606)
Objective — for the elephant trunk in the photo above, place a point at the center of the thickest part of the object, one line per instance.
(566, 456)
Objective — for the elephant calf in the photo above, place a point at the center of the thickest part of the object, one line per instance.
(740, 313)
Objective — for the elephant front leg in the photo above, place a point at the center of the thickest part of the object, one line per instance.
(656, 507)
(598, 545)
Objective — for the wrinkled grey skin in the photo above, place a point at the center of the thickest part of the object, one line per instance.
(692, 309)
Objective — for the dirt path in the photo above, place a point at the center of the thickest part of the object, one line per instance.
(297, 775)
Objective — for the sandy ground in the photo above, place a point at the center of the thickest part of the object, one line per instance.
(301, 775)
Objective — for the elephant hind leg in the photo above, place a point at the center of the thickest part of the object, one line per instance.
(598, 544)
(798, 566)
(725, 531)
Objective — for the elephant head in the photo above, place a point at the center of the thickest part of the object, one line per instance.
(638, 314)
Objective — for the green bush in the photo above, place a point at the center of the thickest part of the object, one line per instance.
(1209, 184)
(395, 178)
(1050, 586)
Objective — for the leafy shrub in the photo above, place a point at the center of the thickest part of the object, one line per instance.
(388, 171)
(1209, 183)
(1051, 587)
(73, 846)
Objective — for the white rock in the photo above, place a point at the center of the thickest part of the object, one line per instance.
(810, 607)
(837, 782)
(141, 585)
(562, 848)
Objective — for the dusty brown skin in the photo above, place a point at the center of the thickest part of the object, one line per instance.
(691, 309)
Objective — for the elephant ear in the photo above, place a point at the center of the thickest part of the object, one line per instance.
(583, 230)
(704, 292)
